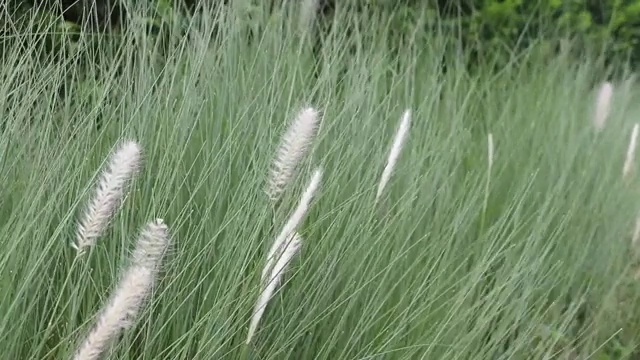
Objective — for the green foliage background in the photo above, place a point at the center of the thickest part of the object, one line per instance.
(489, 29)
(607, 27)
(610, 26)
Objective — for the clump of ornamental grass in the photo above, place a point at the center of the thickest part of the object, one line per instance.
(122, 165)
(394, 154)
(282, 251)
(294, 146)
(131, 293)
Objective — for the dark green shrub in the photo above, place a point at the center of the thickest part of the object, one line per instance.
(494, 29)
(611, 27)
(491, 30)
(95, 15)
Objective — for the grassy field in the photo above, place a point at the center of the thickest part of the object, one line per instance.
(529, 258)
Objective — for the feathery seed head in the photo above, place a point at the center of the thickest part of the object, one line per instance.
(631, 152)
(289, 249)
(118, 313)
(308, 11)
(152, 244)
(394, 154)
(603, 105)
(293, 148)
(122, 166)
(286, 254)
(131, 293)
(294, 220)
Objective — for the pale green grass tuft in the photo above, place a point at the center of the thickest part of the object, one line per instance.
(526, 256)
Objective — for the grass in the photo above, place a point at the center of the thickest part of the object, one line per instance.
(536, 264)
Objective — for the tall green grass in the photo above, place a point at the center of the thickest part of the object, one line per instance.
(536, 264)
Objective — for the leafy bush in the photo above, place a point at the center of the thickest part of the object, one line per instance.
(608, 26)
(491, 30)
(498, 27)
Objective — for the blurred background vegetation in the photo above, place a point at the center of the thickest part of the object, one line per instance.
(489, 30)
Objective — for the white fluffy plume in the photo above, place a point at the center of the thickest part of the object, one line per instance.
(131, 293)
(602, 106)
(284, 247)
(122, 165)
(293, 148)
(308, 12)
(292, 223)
(631, 152)
(394, 154)
(285, 255)
(635, 239)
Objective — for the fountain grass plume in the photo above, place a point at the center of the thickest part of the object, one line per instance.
(635, 237)
(283, 249)
(292, 223)
(122, 166)
(602, 106)
(487, 189)
(394, 154)
(285, 255)
(131, 293)
(308, 13)
(631, 152)
(293, 147)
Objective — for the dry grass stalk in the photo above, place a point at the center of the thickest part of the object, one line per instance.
(635, 238)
